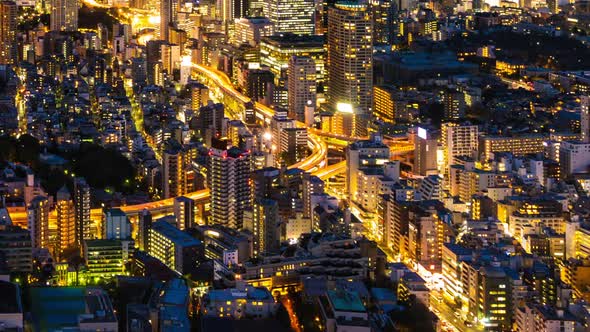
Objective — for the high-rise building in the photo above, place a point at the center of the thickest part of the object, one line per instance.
(574, 157)
(454, 105)
(115, 225)
(350, 63)
(302, 87)
(143, 229)
(106, 258)
(250, 30)
(312, 185)
(459, 141)
(174, 165)
(185, 212)
(15, 248)
(229, 10)
(64, 15)
(585, 118)
(199, 95)
(369, 153)
(38, 221)
(276, 52)
(293, 145)
(173, 247)
(278, 123)
(66, 221)
(208, 122)
(384, 103)
(291, 16)
(8, 12)
(168, 17)
(228, 180)
(264, 223)
(383, 15)
(425, 147)
(82, 211)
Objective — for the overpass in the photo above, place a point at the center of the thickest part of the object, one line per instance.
(314, 163)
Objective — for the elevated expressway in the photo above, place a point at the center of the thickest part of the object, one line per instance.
(315, 162)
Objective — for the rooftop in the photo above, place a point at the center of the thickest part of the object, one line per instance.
(175, 234)
(345, 301)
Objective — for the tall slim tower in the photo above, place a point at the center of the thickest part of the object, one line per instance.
(82, 211)
(38, 220)
(294, 16)
(168, 17)
(174, 166)
(301, 82)
(350, 63)
(66, 221)
(585, 118)
(7, 32)
(64, 15)
(229, 182)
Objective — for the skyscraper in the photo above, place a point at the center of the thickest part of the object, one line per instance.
(7, 32)
(350, 65)
(585, 118)
(64, 15)
(459, 141)
(82, 210)
(294, 16)
(264, 223)
(143, 229)
(185, 212)
(228, 180)
(66, 221)
(301, 82)
(174, 165)
(168, 17)
(228, 10)
(425, 146)
(38, 220)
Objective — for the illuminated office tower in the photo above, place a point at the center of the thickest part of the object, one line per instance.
(229, 182)
(264, 223)
(425, 147)
(384, 103)
(38, 220)
(185, 212)
(66, 220)
(199, 95)
(64, 15)
(82, 211)
(350, 66)
(301, 83)
(168, 17)
(585, 118)
(293, 145)
(294, 16)
(174, 166)
(312, 185)
(276, 52)
(144, 225)
(383, 14)
(250, 30)
(454, 105)
(363, 154)
(229, 10)
(459, 141)
(279, 122)
(173, 247)
(8, 11)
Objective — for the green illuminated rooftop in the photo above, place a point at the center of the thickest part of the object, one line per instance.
(346, 301)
